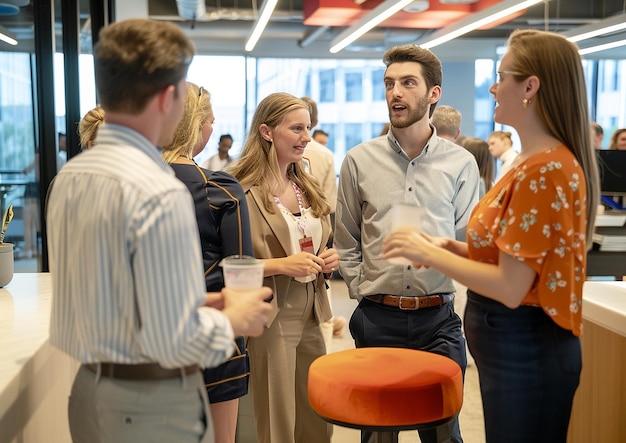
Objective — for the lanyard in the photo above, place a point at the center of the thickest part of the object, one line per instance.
(302, 220)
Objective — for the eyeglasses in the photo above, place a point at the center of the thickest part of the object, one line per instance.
(200, 91)
(499, 80)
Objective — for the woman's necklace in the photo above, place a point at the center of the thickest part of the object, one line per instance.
(306, 242)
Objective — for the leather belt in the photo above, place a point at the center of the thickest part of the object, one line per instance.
(138, 372)
(411, 303)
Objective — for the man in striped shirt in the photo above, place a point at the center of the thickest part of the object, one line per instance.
(128, 286)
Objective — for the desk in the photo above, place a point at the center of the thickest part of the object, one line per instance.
(608, 263)
(35, 378)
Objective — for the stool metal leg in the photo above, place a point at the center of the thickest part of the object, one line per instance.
(379, 437)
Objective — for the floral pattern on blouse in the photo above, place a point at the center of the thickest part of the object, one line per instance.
(537, 214)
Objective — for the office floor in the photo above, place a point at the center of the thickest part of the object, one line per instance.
(471, 418)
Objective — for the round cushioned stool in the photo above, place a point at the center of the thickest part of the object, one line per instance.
(385, 389)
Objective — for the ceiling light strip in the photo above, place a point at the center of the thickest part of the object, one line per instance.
(475, 21)
(7, 36)
(603, 44)
(377, 15)
(603, 47)
(606, 26)
(261, 22)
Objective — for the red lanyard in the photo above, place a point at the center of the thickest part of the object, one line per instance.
(302, 220)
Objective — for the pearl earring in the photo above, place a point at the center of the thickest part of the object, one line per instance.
(525, 102)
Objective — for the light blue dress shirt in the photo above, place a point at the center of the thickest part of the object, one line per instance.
(125, 260)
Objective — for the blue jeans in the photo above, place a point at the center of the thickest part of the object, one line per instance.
(436, 330)
(528, 367)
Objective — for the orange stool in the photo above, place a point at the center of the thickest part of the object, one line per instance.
(386, 389)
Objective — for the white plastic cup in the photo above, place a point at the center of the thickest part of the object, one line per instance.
(242, 272)
(6, 263)
(405, 217)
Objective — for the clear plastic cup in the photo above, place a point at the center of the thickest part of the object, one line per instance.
(242, 272)
(405, 217)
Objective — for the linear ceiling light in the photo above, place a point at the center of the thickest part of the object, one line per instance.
(7, 36)
(377, 15)
(259, 26)
(606, 26)
(475, 21)
(602, 44)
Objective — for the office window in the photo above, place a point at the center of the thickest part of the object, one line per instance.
(329, 128)
(353, 134)
(228, 98)
(484, 72)
(307, 85)
(378, 85)
(354, 86)
(16, 112)
(377, 128)
(327, 85)
(610, 103)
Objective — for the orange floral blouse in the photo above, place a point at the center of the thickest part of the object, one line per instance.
(537, 214)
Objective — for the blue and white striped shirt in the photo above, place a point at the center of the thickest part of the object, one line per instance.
(125, 260)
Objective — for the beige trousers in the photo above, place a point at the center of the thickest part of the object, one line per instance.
(279, 367)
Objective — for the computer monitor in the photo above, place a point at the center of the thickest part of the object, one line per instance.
(612, 164)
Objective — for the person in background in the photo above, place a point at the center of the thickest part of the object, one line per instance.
(320, 162)
(222, 159)
(525, 257)
(129, 300)
(598, 135)
(447, 122)
(501, 147)
(62, 152)
(88, 126)
(32, 224)
(399, 305)
(480, 150)
(320, 136)
(224, 225)
(618, 140)
(290, 232)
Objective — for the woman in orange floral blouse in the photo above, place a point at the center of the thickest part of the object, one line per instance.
(524, 261)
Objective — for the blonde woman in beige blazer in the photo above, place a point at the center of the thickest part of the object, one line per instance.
(290, 232)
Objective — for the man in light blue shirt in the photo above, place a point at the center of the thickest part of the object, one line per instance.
(400, 306)
(129, 297)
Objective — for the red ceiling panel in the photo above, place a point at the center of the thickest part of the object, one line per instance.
(346, 13)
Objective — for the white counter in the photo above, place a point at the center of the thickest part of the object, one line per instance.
(35, 378)
(604, 303)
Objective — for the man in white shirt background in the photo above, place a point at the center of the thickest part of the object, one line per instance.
(320, 162)
(222, 159)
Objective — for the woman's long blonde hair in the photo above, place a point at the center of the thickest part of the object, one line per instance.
(88, 126)
(258, 163)
(197, 110)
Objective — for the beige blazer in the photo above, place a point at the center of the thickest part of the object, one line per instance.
(270, 239)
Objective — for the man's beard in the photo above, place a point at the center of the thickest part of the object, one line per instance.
(415, 113)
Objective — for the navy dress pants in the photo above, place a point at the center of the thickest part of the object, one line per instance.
(528, 367)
